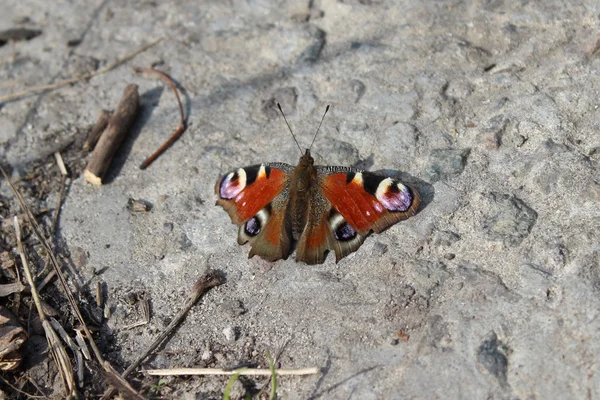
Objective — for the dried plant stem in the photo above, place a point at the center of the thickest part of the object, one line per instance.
(57, 350)
(243, 371)
(80, 78)
(34, 292)
(61, 194)
(180, 129)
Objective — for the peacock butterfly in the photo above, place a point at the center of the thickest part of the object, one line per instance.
(316, 208)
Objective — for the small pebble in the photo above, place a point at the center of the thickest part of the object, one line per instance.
(207, 355)
(230, 333)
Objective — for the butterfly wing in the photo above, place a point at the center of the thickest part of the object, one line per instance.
(255, 199)
(347, 206)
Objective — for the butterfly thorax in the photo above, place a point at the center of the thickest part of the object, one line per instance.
(302, 188)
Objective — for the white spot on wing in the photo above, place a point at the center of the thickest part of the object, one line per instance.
(262, 172)
(242, 174)
(336, 221)
(358, 179)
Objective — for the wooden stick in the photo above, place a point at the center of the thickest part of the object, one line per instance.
(117, 129)
(180, 129)
(97, 130)
(243, 371)
(66, 82)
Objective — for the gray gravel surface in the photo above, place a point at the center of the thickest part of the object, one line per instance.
(491, 107)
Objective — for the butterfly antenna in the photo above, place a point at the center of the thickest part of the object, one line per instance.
(321, 123)
(288, 125)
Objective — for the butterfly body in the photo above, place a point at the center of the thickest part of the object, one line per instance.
(317, 208)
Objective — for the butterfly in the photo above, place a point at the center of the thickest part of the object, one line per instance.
(315, 209)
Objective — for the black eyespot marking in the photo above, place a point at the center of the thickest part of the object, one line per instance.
(349, 177)
(345, 233)
(267, 171)
(253, 226)
(371, 182)
(251, 173)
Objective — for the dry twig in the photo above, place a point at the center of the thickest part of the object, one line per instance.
(180, 129)
(97, 129)
(116, 130)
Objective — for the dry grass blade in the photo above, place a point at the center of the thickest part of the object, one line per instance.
(61, 358)
(66, 82)
(57, 350)
(81, 342)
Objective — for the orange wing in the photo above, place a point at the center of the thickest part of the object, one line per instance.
(246, 191)
(368, 201)
(255, 199)
(347, 206)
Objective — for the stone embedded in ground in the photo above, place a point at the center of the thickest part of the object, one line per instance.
(312, 53)
(510, 219)
(444, 163)
(491, 354)
(445, 238)
(231, 333)
(286, 96)
(233, 307)
(491, 136)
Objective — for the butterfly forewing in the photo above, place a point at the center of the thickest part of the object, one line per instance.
(367, 201)
(255, 199)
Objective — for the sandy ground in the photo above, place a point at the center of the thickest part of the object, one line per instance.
(491, 107)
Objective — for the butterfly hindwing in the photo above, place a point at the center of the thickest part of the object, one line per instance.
(256, 199)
